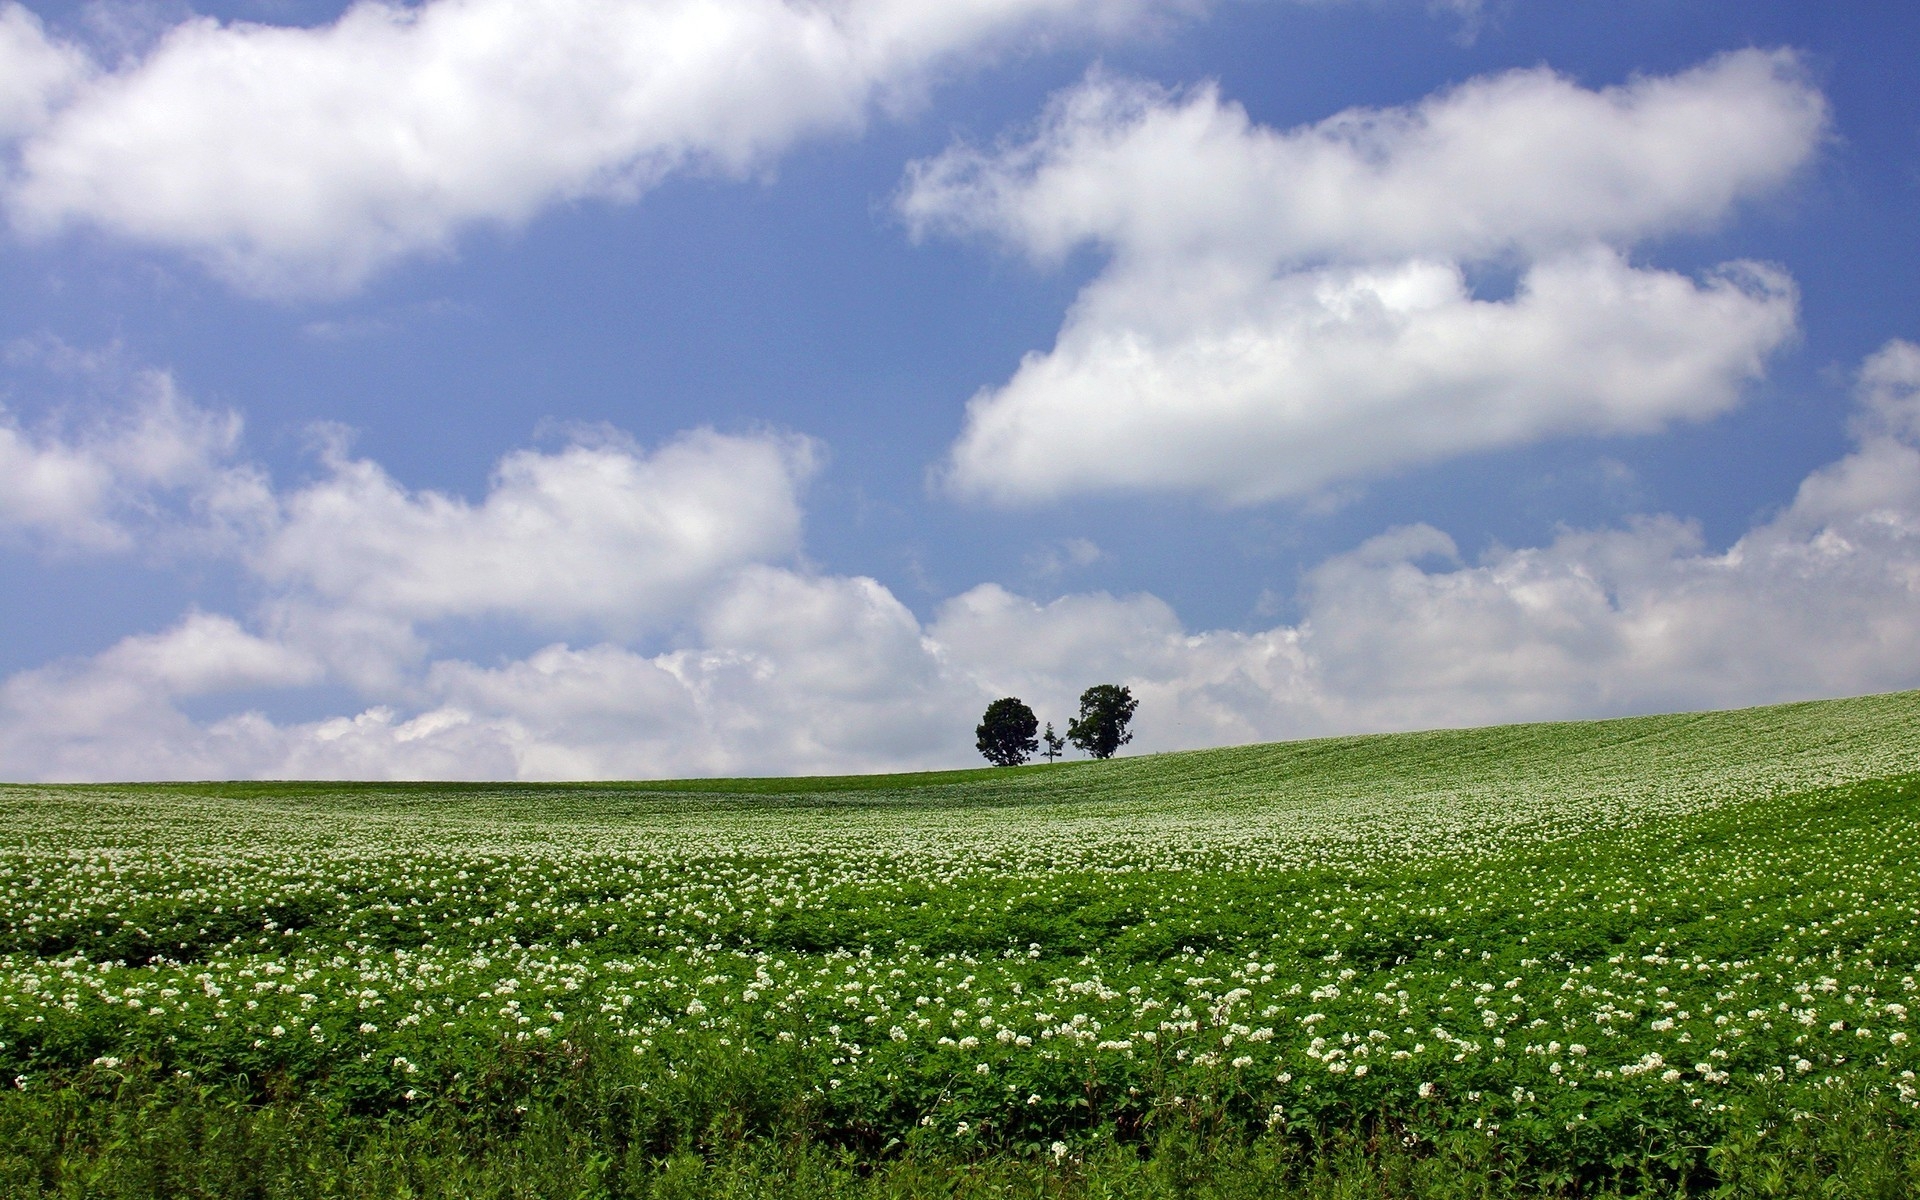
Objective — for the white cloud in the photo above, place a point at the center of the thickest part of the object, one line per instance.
(207, 653)
(1890, 393)
(1821, 599)
(304, 159)
(1524, 161)
(794, 673)
(114, 716)
(37, 73)
(94, 488)
(1255, 389)
(1285, 310)
(791, 673)
(781, 670)
(1056, 558)
(599, 534)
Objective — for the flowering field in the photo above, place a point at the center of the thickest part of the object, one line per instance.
(1596, 950)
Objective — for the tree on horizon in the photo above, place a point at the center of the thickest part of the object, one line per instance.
(1005, 734)
(1106, 709)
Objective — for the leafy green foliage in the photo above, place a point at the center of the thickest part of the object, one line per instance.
(1005, 735)
(585, 1137)
(1654, 954)
(1105, 712)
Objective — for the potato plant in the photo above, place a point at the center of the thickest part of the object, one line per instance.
(1594, 948)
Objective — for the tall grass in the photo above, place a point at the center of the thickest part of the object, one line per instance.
(154, 1138)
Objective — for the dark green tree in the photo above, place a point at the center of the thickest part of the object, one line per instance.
(1005, 733)
(1053, 741)
(1101, 728)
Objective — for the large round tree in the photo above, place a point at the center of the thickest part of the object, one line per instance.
(1006, 732)
(1101, 728)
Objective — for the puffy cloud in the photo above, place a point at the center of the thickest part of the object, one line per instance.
(93, 488)
(1400, 633)
(1524, 161)
(1014, 646)
(1286, 309)
(1218, 687)
(1889, 391)
(36, 72)
(600, 534)
(792, 673)
(304, 159)
(1255, 389)
(207, 653)
(1818, 600)
(783, 670)
(115, 715)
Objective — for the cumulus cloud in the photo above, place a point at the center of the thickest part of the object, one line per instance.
(301, 160)
(116, 715)
(1523, 161)
(779, 669)
(357, 576)
(1401, 633)
(94, 488)
(1253, 390)
(37, 73)
(1889, 392)
(607, 535)
(791, 673)
(1285, 309)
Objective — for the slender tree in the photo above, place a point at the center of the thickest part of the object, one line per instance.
(1053, 741)
(1005, 733)
(1101, 728)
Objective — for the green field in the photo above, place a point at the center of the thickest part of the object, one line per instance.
(1663, 954)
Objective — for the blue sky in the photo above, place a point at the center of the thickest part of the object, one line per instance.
(511, 389)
